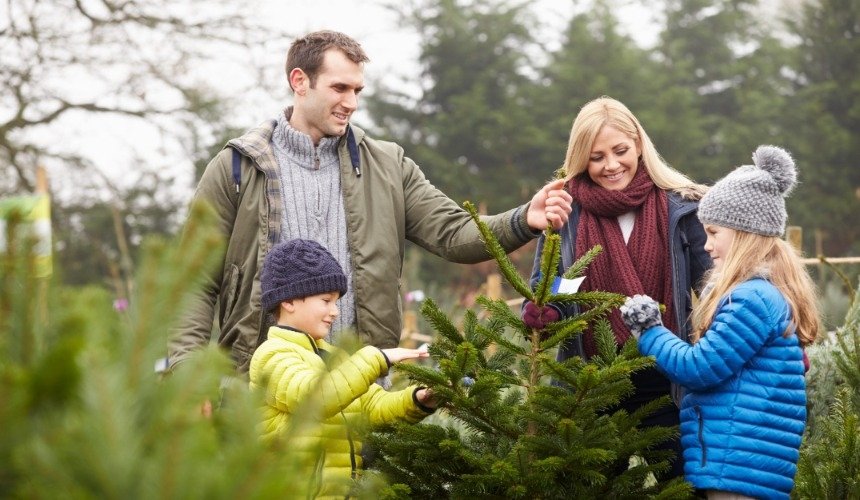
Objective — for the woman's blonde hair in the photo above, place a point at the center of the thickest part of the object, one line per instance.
(605, 111)
(752, 255)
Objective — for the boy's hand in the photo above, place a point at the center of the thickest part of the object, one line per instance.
(427, 398)
(398, 354)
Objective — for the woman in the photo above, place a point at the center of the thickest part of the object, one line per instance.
(643, 213)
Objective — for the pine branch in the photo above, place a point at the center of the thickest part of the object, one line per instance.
(577, 269)
(548, 268)
(440, 322)
(590, 298)
(604, 338)
(561, 331)
(506, 267)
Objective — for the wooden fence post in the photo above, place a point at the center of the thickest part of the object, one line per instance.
(794, 236)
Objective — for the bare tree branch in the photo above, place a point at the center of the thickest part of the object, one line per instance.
(131, 58)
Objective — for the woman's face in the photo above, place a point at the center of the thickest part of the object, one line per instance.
(613, 160)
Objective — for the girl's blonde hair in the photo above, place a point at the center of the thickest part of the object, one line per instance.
(752, 255)
(605, 111)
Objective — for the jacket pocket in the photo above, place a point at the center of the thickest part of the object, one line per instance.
(701, 420)
(230, 291)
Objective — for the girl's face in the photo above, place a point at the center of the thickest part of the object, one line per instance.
(613, 159)
(719, 243)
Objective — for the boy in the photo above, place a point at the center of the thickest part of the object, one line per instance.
(301, 282)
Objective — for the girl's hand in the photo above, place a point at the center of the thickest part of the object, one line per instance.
(640, 313)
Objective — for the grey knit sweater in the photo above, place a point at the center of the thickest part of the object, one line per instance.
(312, 200)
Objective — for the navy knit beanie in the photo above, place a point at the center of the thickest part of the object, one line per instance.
(296, 269)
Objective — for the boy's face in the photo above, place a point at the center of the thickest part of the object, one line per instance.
(313, 314)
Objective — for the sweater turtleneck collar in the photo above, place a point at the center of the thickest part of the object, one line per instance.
(300, 145)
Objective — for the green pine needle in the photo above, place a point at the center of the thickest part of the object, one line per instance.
(506, 267)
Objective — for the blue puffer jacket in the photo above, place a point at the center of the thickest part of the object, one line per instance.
(687, 256)
(745, 410)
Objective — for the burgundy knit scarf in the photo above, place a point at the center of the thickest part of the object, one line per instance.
(640, 266)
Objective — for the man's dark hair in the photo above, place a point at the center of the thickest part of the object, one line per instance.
(307, 52)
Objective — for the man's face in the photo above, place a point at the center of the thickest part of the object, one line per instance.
(325, 109)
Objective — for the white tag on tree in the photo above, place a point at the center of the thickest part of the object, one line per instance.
(562, 285)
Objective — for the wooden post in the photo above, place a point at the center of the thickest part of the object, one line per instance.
(41, 180)
(794, 236)
(41, 284)
(410, 326)
(819, 252)
(494, 286)
(494, 292)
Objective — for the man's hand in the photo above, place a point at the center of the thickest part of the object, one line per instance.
(550, 205)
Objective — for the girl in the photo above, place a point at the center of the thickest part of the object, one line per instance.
(743, 416)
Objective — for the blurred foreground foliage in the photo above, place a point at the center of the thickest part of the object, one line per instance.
(83, 412)
(829, 466)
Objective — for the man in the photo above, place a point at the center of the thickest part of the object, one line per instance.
(311, 174)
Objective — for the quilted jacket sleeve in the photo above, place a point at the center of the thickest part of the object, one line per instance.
(290, 377)
(382, 407)
(742, 325)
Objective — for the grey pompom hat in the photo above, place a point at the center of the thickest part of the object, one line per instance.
(752, 197)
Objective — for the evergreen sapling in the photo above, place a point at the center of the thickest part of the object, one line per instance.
(515, 422)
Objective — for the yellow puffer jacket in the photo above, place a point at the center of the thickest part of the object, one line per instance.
(336, 392)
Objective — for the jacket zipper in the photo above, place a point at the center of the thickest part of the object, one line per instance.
(351, 446)
(702, 435)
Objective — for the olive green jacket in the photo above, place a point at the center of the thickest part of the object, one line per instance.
(389, 203)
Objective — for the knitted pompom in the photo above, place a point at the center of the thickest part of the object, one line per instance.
(779, 164)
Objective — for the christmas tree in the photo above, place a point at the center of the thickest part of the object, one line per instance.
(515, 422)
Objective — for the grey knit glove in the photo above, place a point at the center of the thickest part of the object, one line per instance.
(640, 312)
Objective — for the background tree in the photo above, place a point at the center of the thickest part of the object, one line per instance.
(824, 121)
(466, 129)
(829, 466)
(469, 129)
(596, 59)
(131, 67)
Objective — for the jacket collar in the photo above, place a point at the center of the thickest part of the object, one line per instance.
(299, 338)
